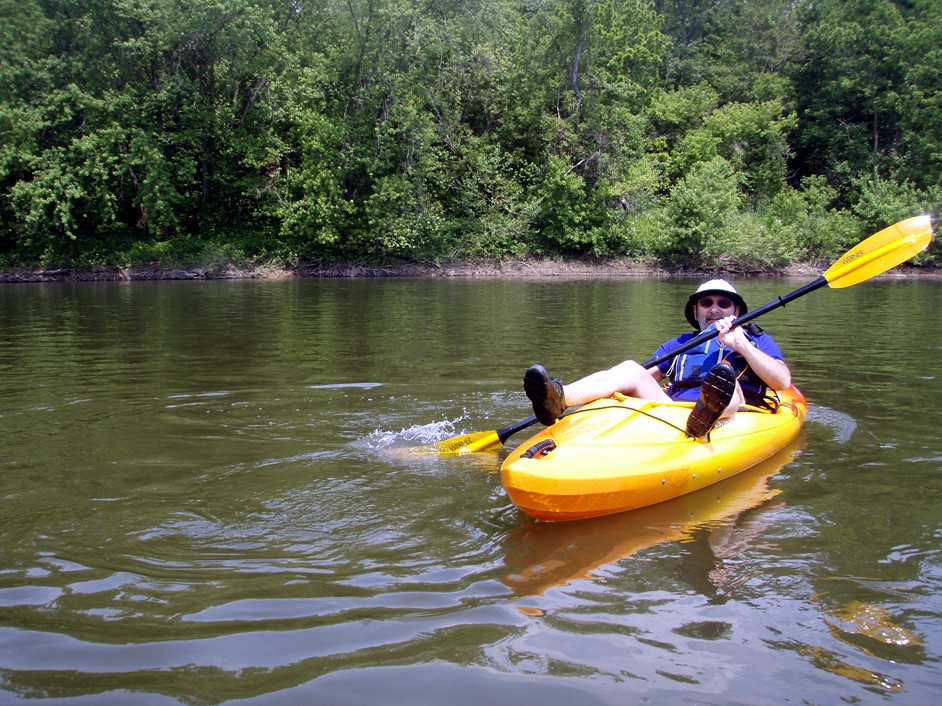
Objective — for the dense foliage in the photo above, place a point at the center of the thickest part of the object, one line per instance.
(700, 133)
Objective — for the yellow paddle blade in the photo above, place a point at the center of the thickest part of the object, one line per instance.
(472, 443)
(880, 252)
(467, 443)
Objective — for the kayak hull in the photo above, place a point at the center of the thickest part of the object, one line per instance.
(622, 453)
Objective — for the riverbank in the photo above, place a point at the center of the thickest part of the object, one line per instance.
(530, 268)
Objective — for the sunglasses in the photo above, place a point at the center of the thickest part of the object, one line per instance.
(721, 302)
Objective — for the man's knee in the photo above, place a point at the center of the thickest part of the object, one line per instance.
(627, 369)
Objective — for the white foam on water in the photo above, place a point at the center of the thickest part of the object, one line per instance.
(843, 425)
(416, 435)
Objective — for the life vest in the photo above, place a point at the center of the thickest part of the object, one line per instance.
(688, 370)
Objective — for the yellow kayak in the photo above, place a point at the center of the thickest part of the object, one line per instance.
(622, 453)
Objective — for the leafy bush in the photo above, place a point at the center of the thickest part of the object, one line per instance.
(700, 211)
(820, 233)
(751, 241)
(881, 202)
(575, 219)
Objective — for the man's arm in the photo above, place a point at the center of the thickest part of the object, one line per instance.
(773, 371)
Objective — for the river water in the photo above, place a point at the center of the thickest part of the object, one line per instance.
(209, 496)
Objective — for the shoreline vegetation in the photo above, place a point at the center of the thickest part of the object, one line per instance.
(242, 138)
(492, 269)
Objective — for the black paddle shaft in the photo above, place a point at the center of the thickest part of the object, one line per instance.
(507, 432)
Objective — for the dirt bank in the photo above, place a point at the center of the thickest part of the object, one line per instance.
(535, 269)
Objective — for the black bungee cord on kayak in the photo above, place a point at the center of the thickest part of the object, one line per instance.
(541, 448)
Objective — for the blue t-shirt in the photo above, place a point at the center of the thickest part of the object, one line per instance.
(751, 389)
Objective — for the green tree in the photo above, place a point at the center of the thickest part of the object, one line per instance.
(849, 88)
(156, 117)
(920, 53)
(595, 64)
(700, 132)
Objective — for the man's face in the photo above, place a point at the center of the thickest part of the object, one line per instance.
(712, 307)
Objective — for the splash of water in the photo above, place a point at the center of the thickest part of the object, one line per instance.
(416, 435)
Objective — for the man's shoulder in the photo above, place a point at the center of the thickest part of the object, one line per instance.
(762, 335)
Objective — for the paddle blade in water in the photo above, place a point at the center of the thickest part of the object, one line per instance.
(472, 443)
(880, 252)
(467, 443)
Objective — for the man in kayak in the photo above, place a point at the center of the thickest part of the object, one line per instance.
(742, 365)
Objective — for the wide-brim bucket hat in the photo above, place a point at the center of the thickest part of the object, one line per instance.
(714, 286)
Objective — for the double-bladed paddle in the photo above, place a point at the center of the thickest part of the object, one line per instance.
(878, 253)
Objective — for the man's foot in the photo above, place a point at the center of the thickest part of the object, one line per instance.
(716, 392)
(546, 394)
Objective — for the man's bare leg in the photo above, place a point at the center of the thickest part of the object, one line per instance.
(628, 378)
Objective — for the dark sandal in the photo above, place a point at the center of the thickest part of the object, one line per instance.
(716, 392)
(545, 393)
